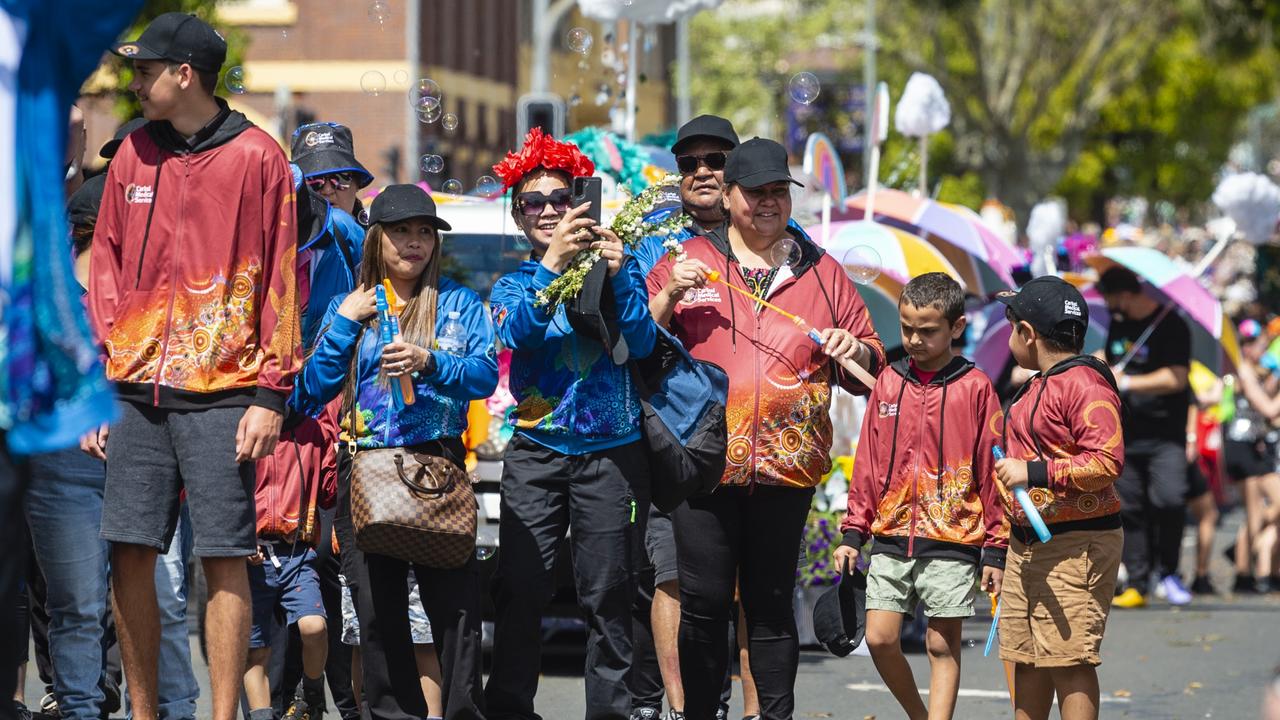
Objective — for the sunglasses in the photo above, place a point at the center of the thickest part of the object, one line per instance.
(689, 163)
(340, 181)
(532, 203)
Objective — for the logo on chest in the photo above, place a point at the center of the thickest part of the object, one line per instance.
(888, 409)
(138, 194)
(693, 296)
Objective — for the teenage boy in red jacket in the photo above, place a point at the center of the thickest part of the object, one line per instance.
(1063, 440)
(194, 293)
(924, 488)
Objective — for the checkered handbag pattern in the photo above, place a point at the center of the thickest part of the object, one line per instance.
(414, 507)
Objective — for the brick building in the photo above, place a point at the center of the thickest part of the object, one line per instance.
(323, 60)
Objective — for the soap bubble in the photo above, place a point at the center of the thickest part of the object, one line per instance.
(379, 12)
(431, 164)
(579, 40)
(484, 553)
(425, 93)
(401, 77)
(431, 113)
(449, 121)
(785, 251)
(604, 93)
(234, 80)
(488, 186)
(575, 100)
(804, 87)
(453, 186)
(373, 83)
(862, 263)
(284, 33)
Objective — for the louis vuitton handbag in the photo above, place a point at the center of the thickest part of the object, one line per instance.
(412, 506)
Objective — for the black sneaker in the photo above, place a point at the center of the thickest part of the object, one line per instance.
(1202, 585)
(646, 714)
(674, 714)
(300, 709)
(1245, 585)
(1263, 585)
(21, 711)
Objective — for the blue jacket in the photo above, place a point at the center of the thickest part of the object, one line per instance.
(338, 246)
(571, 397)
(440, 407)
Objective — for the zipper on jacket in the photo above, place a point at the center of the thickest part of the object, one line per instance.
(915, 475)
(174, 254)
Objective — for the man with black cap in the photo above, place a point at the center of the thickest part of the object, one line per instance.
(701, 148)
(195, 292)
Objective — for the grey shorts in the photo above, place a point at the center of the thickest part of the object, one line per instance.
(419, 625)
(153, 455)
(660, 545)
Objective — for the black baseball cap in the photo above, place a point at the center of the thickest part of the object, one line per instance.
(322, 148)
(757, 162)
(840, 614)
(705, 126)
(401, 202)
(110, 147)
(82, 206)
(1046, 302)
(178, 37)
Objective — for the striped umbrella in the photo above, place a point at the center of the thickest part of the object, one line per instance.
(954, 233)
(881, 299)
(902, 254)
(1213, 339)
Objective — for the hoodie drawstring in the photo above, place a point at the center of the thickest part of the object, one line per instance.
(893, 445)
(942, 419)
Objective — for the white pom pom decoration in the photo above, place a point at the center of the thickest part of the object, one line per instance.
(923, 108)
(1047, 223)
(1253, 202)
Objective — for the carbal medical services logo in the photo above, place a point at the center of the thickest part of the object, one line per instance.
(315, 138)
(128, 50)
(138, 194)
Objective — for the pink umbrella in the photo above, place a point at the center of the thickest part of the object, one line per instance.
(964, 231)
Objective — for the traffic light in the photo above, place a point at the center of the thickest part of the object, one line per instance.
(544, 110)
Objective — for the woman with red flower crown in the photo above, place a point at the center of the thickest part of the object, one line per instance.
(576, 462)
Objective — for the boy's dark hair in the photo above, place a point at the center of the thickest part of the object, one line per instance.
(1119, 280)
(938, 291)
(208, 78)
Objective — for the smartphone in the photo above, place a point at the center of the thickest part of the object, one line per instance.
(587, 189)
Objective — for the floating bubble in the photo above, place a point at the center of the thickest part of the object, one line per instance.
(862, 263)
(487, 186)
(621, 79)
(608, 57)
(785, 251)
(579, 40)
(583, 65)
(431, 113)
(431, 164)
(425, 96)
(373, 83)
(449, 122)
(401, 77)
(804, 87)
(604, 93)
(453, 186)
(484, 553)
(234, 80)
(575, 100)
(284, 34)
(379, 11)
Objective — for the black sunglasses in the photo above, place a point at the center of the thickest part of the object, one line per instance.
(532, 203)
(340, 181)
(689, 163)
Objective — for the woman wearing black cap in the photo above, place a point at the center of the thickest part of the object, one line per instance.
(403, 248)
(780, 384)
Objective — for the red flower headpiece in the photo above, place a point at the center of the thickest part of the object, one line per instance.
(544, 151)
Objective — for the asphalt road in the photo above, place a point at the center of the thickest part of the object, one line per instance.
(1209, 660)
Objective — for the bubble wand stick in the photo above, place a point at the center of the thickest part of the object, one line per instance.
(1028, 507)
(851, 367)
(401, 392)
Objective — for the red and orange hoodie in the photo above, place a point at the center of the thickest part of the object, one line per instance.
(924, 477)
(779, 380)
(194, 287)
(1066, 424)
(299, 477)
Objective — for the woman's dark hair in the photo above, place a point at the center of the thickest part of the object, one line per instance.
(1119, 280)
(938, 291)
(81, 239)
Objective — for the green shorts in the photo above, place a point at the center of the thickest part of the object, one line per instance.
(943, 586)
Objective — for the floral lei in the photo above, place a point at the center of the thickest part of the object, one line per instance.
(631, 227)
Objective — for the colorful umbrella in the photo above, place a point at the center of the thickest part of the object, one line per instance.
(1213, 339)
(902, 255)
(881, 299)
(965, 233)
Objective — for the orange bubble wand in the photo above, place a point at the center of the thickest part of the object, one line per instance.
(850, 366)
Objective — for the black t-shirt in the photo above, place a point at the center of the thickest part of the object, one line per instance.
(1153, 416)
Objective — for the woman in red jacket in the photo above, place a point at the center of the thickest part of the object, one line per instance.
(780, 385)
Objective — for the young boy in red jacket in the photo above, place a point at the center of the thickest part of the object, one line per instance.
(923, 487)
(1064, 441)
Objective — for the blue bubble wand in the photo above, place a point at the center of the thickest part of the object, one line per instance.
(1028, 507)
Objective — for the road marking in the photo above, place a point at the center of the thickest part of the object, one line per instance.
(964, 692)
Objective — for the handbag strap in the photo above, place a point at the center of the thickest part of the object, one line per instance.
(415, 484)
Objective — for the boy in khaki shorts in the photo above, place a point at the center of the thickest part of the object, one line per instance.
(1064, 441)
(924, 488)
